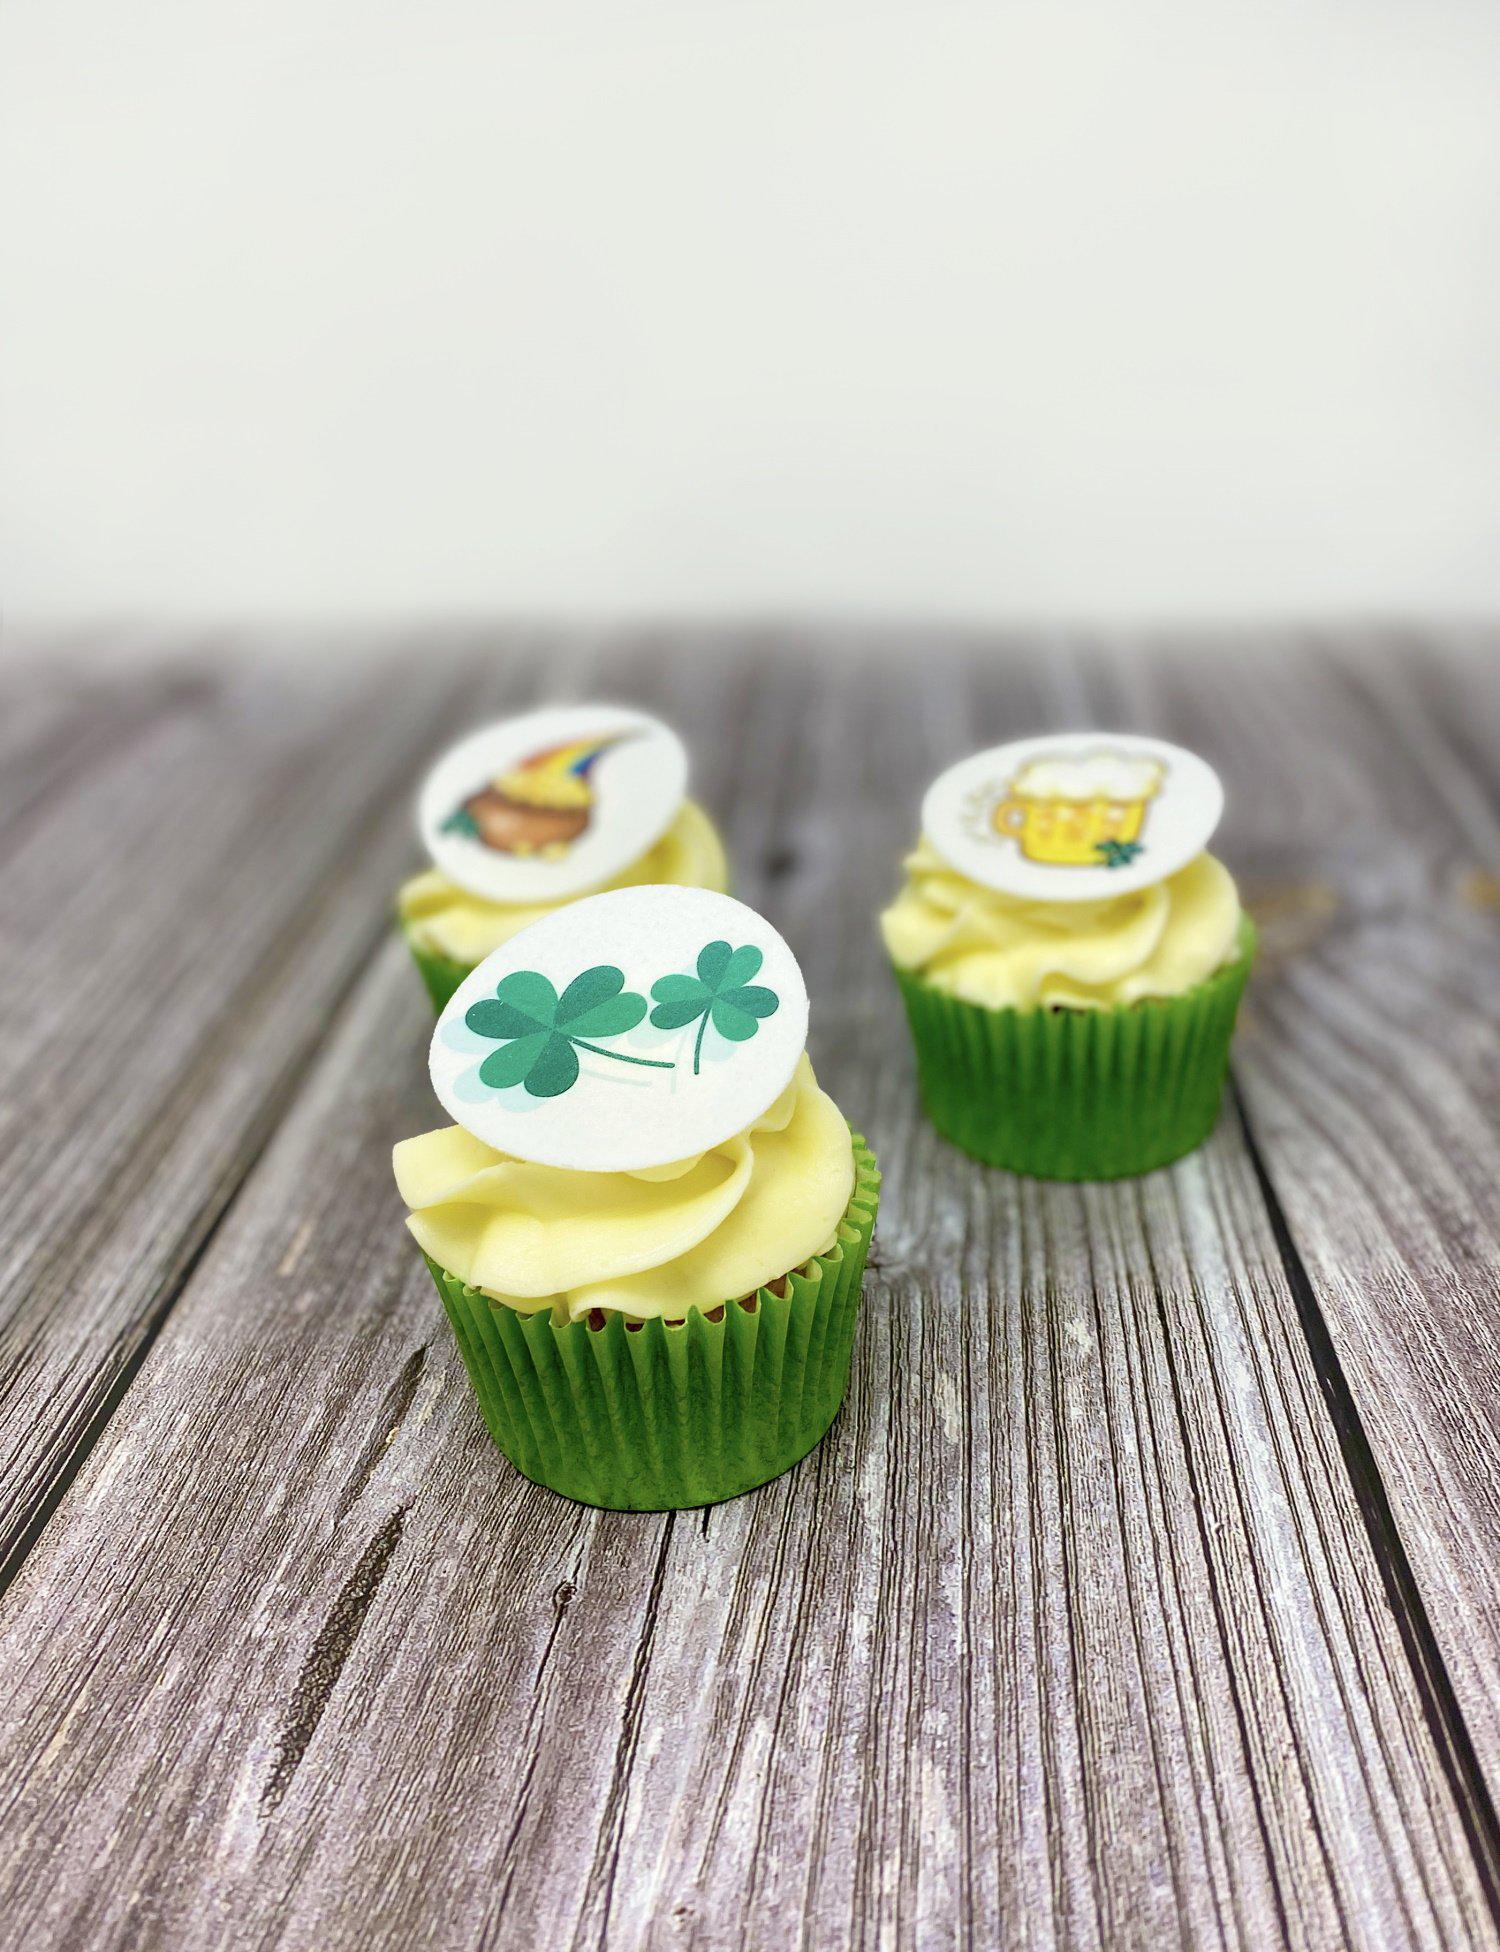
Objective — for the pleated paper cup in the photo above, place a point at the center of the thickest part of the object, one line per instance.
(441, 974)
(653, 1416)
(1077, 1094)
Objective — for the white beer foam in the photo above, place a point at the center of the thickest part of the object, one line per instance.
(1090, 776)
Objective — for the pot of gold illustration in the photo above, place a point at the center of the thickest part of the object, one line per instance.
(1083, 810)
(540, 806)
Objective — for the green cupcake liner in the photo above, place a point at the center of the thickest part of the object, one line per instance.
(659, 1418)
(1077, 1094)
(441, 974)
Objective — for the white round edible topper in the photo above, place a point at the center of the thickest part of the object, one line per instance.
(1075, 816)
(630, 1029)
(538, 808)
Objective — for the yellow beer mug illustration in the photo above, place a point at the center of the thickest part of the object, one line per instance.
(1082, 810)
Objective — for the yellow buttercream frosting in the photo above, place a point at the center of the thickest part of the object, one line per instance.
(446, 920)
(695, 1234)
(1004, 952)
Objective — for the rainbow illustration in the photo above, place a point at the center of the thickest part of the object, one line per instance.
(540, 806)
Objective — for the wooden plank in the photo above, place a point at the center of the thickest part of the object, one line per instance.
(1366, 818)
(63, 714)
(1071, 1634)
(204, 860)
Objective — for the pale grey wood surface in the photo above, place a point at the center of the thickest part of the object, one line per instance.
(1372, 1066)
(1144, 1593)
(194, 870)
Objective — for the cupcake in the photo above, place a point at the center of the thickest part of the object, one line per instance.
(649, 1224)
(1070, 957)
(536, 811)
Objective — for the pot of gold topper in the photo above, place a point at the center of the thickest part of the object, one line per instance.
(628, 1030)
(542, 807)
(1073, 816)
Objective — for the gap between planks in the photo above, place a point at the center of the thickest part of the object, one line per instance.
(1452, 1740)
(197, 1243)
(336, 1643)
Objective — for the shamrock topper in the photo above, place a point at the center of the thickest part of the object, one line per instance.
(721, 993)
(543, 1032)
(590, 1071)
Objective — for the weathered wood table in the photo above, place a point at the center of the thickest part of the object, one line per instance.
(1148, 1589)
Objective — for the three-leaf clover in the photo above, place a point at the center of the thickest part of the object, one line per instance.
(1117, 853)
(542, 1032)
(721, 993)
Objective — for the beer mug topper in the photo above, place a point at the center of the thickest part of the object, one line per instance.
(1076, 816)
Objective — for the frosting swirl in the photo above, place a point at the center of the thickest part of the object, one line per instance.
(1006, 952)
(694, 1234)
(445, 920)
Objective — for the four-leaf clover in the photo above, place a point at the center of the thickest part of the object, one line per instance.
(721, 993)
(1117, 853)
(541, 1032)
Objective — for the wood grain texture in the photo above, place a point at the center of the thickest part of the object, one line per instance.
(198, 863)
(1371, 1068)
(1075, 1632)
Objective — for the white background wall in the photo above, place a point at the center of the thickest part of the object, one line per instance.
(1141, 307)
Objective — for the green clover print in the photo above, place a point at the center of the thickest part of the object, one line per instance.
(542, 1032)
(721, 993)
(1117, 853)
